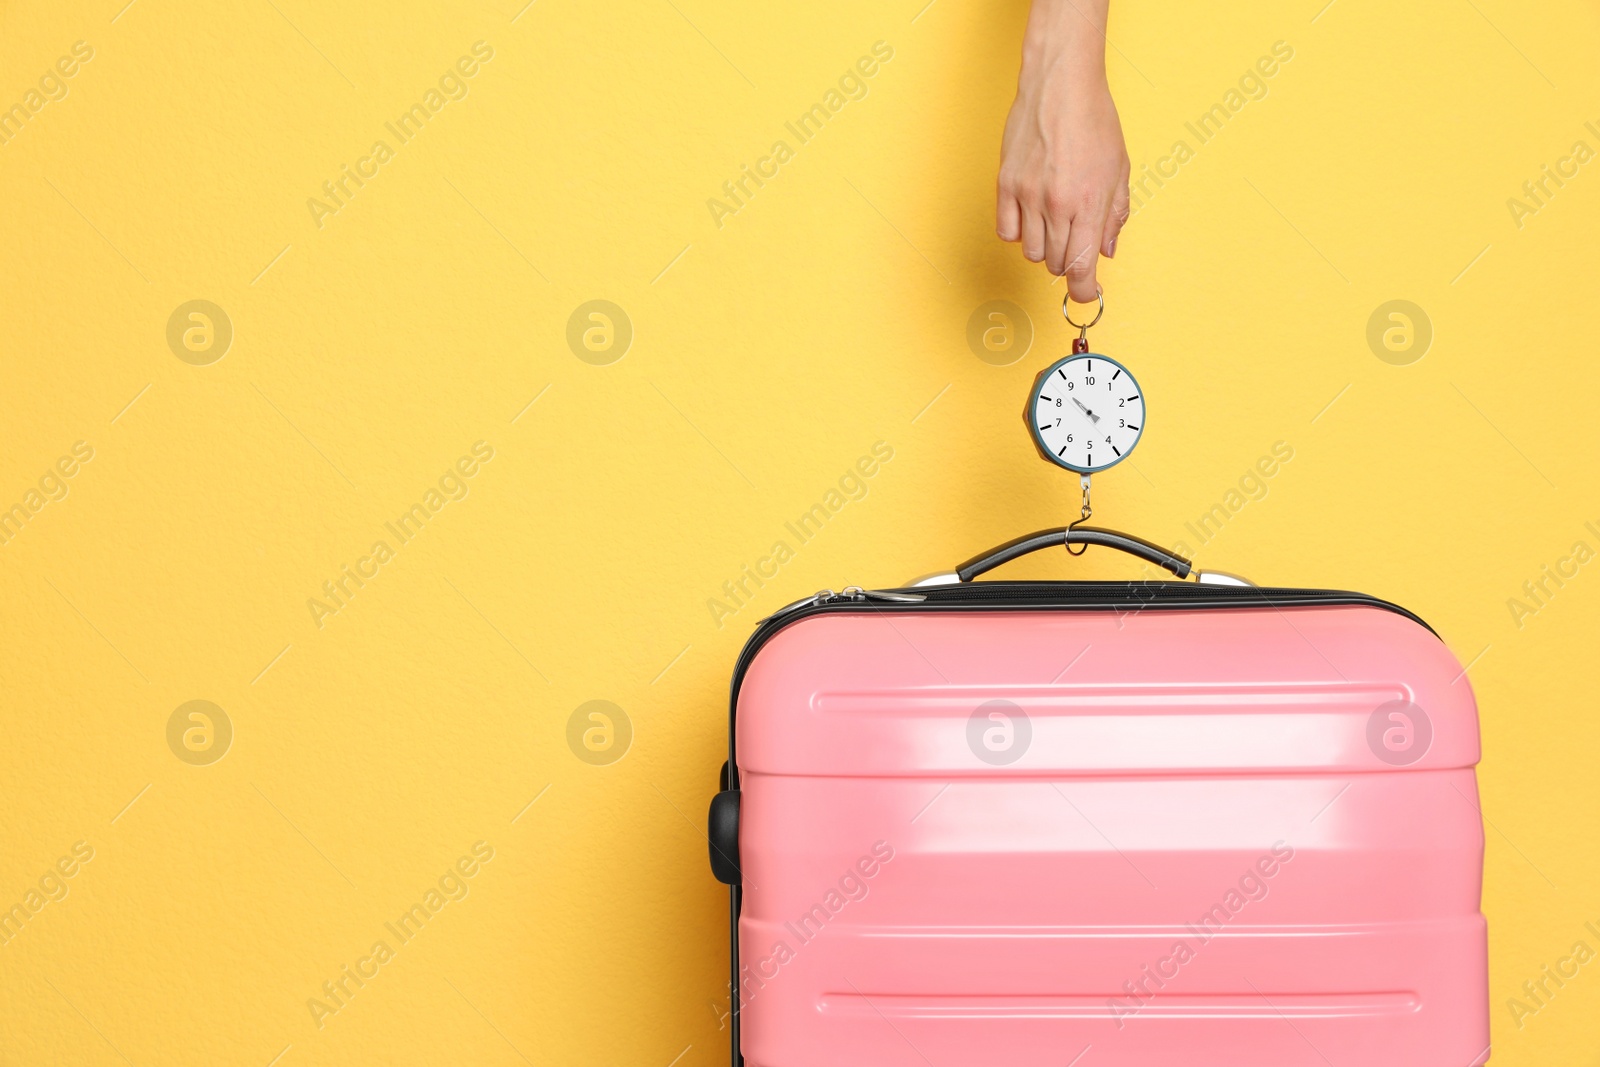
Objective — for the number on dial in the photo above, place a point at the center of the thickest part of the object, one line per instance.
(1086, 413)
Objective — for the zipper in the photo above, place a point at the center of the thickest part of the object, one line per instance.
(1147, 594)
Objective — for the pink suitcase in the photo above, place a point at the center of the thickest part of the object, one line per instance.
(1107, 824)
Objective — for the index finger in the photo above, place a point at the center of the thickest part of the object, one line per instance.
(1083, 251)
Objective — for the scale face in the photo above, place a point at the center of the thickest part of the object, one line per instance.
(1085, 413)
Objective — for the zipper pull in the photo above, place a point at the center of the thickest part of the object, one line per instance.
(855, 592)
(849, 592)
(821, 596)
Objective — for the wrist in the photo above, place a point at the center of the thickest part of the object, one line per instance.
(1066, 39)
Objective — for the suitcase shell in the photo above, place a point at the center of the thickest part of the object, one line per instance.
(1140, 823)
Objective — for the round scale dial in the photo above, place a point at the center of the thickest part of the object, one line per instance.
(1085, 413)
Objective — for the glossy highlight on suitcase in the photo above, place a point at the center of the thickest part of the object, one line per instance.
(1144, 823)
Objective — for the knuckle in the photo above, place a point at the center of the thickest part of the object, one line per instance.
(1016, 181)
(1060, 203)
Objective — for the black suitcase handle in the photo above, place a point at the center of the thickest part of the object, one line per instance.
(1073, 535)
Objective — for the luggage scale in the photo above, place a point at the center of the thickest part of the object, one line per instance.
(1082, 403)
(1085, 413)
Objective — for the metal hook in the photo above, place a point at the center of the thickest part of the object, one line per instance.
(1083, 480)
(1100, 295)
(1082, 342)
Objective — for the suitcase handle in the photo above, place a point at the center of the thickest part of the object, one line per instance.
(1073, 535)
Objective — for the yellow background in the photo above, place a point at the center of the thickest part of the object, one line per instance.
(768, 354)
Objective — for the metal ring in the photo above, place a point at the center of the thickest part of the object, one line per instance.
(1100, 294)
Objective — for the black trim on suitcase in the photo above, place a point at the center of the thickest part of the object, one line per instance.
(1129, 596)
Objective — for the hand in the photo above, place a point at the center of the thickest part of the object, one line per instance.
(1063, 189)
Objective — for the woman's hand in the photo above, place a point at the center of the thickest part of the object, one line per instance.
(1063, 164)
